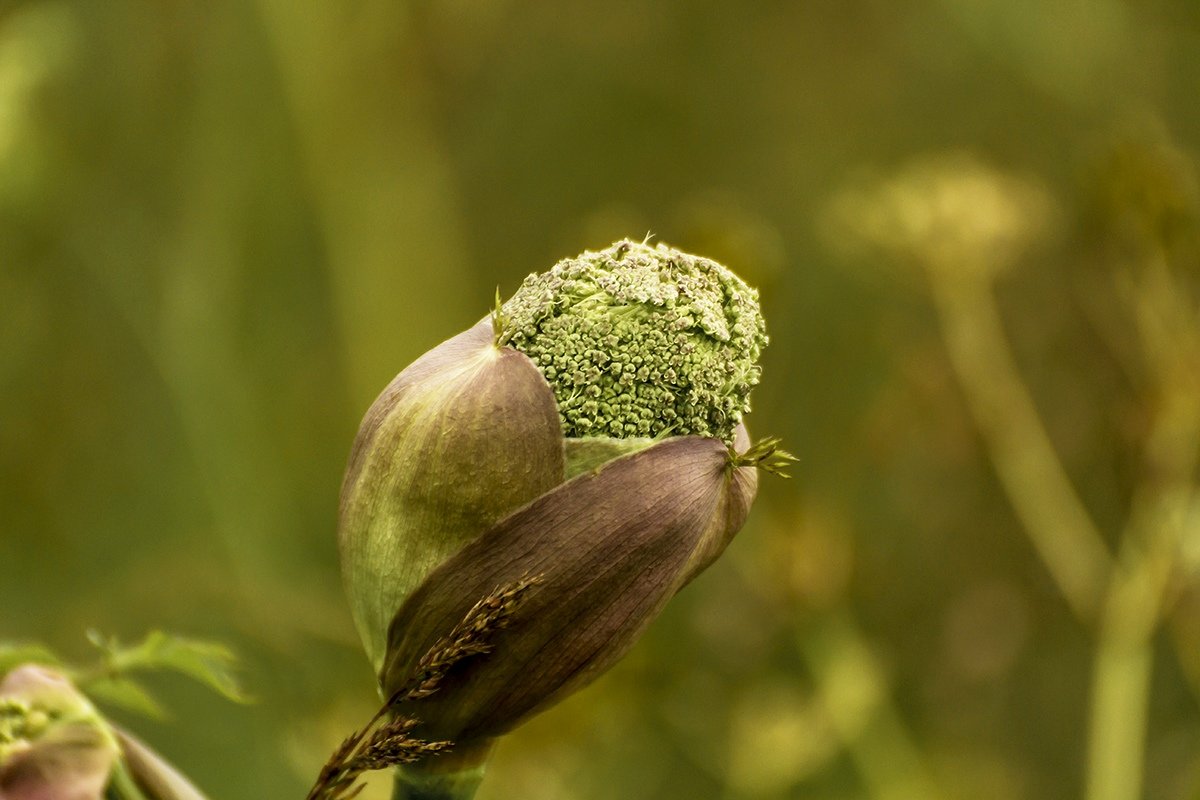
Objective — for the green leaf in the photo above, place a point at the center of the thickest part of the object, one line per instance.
(210, 663)
(127, 694)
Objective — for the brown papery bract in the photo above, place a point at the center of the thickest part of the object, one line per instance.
(610, 547)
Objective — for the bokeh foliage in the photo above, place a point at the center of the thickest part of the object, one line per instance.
(224, 226)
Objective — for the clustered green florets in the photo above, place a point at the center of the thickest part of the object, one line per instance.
(19, 721)
(641, 340)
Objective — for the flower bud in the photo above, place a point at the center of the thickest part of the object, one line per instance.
(584, 448)
(641, 341)
(53, 744)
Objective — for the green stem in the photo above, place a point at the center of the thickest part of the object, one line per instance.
(413, 784)
(452, 776)
(122, 786)
(1120, 696)
(1029, 469)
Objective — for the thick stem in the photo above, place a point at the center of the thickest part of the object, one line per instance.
(459, 786)
(454, 776)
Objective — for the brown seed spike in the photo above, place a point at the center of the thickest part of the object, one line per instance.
(471, 636)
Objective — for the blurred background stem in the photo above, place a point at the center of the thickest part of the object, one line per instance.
(1030, 471)
(377, 179)
(1121, 685)
(1055, 518)
(1158, 528)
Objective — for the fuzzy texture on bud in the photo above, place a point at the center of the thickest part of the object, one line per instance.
(641, 341)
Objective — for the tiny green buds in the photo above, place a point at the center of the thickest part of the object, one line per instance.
(583, 447)
(641, 341)
(53, 744)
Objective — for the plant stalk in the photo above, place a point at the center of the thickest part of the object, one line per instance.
(453, 776)
(1029, 469)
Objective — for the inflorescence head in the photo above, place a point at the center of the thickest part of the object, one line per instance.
(641, 341)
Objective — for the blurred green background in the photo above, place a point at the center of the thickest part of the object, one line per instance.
(224, 226)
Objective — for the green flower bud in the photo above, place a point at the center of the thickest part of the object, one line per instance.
(641, 341)
(533, 452)
(53, 743)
